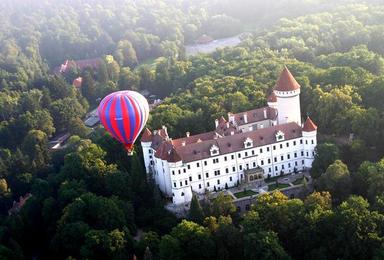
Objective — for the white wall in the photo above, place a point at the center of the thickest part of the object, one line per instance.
(288, 106)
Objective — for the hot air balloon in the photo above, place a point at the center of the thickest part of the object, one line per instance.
(124, 115)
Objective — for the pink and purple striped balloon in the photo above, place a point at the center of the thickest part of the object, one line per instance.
(124, 115)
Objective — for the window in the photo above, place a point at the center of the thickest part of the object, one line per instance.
(190, 178)
(199, 176)
(217, 172)
(215, 160)
(199, 186)
(218, 181)
(295, 163)
(197, 164)
(184, 170)
(186, 182)
(302, 162)
(241, 176)
(233, 168)
(239, 155)
(295, 154)
(205, 163)
(269, 161)
(207, 183)
(287, 144)
(179, 172)
(269, 169)
(307, 154)
(181, 184)
(312, 142)
(189, 167)
(301, 141)
(289, 165)
(275, 159)
(225, 158)
(173, 172)
(246, 154)
(261, 150)
(226, 170)
(294, 142)
(282, 167)
(275, 168)
(282, 158)
(262, 162)
(281, 146)
(247, 166)
(306, 141)
(174, 184)
(232, 157)
(240, 167)
(182, 194)
(254, 164)
(230, 178)
(302, 153)
(288, 156)
(150, 151)
(253, 152)
(274, 147)
(207, 174)
(267, 149)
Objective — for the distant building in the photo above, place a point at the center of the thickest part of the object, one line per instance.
(269, 140)
(204, 39)
(79, 64)
(17, 205)
(77, 82)
(58, 141)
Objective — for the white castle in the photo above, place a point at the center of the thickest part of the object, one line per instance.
(271, 140)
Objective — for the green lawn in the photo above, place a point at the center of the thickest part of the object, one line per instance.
(243, 194)
(272, 179)
(273, 186)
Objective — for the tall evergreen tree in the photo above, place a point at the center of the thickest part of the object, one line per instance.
(196, 213)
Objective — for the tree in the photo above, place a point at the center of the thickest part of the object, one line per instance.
(263, 245)
(223, 205)
(336, 180)
(196, 213)
(325, 154)
(195, 241)
(147, 254)
(170, 248)
(35, 145)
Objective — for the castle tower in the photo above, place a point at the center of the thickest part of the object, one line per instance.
(287, 92)
(310, 141)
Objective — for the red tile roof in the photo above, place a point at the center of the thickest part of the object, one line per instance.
(286, 81)
(309, 126)
(272, 98)
(255, 115)
(227, 144)
(147, 135)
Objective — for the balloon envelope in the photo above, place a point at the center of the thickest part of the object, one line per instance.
(124, 115)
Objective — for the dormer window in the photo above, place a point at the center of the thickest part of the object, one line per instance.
(279, 136)
(214, 150)
(248, 143)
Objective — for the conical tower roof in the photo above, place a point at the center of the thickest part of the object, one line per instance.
(286, 81)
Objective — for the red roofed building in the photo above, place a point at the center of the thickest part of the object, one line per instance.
(270, 139)
(77, 82)
(79, 64)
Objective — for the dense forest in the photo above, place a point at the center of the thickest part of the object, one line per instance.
(90, 201)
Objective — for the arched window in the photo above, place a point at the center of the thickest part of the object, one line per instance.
(182, 194)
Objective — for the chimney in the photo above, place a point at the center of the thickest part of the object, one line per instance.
(216, 123)
(265, 113)
(187, 134)
(245, 118)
